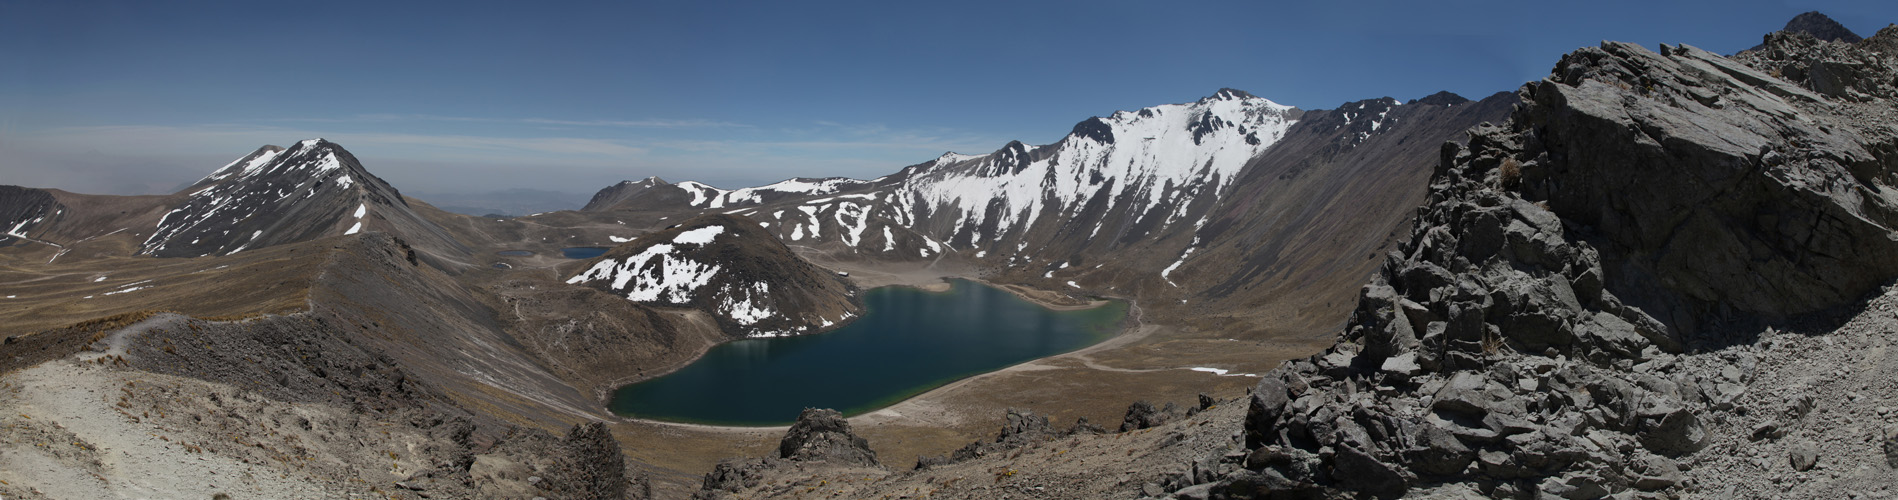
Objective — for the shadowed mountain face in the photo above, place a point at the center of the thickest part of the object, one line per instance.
(23, 211)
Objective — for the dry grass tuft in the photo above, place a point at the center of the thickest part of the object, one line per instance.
(1509, 175)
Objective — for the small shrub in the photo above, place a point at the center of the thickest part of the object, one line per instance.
(1509, 174)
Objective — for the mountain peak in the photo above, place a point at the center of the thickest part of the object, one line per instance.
(1822, 27)
(274, 195)
(1819, 26)
(1231, 94)
(1444, 98)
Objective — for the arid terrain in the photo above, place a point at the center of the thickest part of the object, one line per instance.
(1651, 274)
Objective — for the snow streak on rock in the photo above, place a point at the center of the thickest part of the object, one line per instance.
(656, 274)
(258, 185)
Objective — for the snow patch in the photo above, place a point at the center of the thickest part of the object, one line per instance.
(698, 236)
(1164, 273)
(1221, 372)
(654, 274)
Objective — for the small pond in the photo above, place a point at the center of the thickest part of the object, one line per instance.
(908, 341)
(583, 252)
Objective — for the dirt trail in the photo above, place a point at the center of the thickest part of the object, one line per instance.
(65, 440)
(114, 345)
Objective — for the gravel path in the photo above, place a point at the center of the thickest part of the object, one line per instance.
(62, 437)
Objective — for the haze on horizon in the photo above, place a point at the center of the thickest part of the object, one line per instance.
(138, 98)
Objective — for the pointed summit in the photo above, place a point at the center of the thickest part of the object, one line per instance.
(274, 195)
(1230, 94)
(1821, 27)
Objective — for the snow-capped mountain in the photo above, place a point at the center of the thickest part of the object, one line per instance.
(1200, 199)
(1122, 176)
(653, 193)
(728, 267)
(275, 195)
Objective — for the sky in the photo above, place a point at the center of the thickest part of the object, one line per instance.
(144, 97)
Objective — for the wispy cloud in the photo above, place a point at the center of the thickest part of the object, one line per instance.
(639, 123)
(100, 158)
(201, 137)
(645, 123)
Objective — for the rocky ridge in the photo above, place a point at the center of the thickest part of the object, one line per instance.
(1569, 317)
(1574, 313)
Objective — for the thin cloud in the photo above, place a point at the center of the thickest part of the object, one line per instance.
(638, 123)
(647, 123)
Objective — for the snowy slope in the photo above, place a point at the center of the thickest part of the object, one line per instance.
(729, 268)
(312, 189)
(1141, 172)
(1169, 199)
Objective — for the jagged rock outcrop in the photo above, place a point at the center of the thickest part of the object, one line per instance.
(592, 465)
(1817, 25)
(1143, 415)
(1537, 333)
(822, 435)
(1850, 71)
(730, 268)
(1020, 428)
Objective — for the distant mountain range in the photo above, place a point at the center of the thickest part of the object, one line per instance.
(1145, 203)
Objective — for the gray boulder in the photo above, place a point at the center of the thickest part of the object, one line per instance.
(823, 435)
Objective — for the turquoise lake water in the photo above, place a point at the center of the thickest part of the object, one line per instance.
(909, 341)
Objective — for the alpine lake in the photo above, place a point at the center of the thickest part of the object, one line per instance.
(907, 342)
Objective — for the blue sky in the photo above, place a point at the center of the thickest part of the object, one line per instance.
(140, 97)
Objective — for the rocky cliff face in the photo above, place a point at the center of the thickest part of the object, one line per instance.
(1557, 322)
(730, 268)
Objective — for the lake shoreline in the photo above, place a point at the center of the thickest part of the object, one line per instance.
(924, 406)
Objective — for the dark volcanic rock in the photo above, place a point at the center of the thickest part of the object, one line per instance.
(733, 475)
(593, 466)
(1636, 207)
(1019, 428)
(822, 435)
(1361, 472)
(1142, 415)
(1816, 25)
